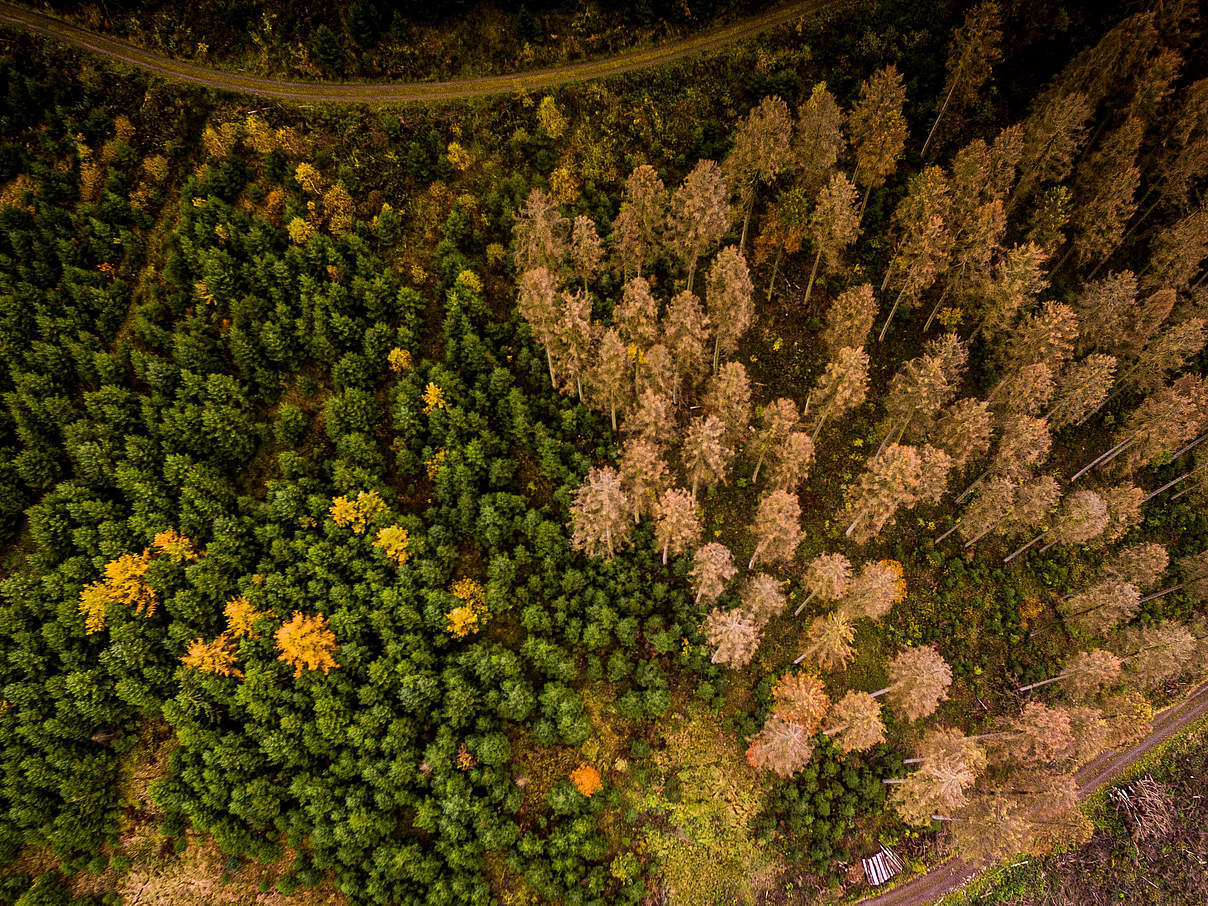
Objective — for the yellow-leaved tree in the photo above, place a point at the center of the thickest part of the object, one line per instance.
(216, 657)
(176, 546)
(399, 360)
(356, 514)
(306, 643)
(472, 613)
(394, 542)
(123, 584)
(241, 616)
(93, 599)
(434, 398)
(339, 208)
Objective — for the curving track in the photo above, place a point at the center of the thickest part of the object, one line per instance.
(929, 888)
(395, 92)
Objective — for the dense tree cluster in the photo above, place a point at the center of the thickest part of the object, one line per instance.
(363, 531)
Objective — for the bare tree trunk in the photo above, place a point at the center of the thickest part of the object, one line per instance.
(746, 221)
(881, 692)
(935, 309)
(822, 419)
(666, 545)
(716, 352)
(553, 381)
(809, 287)
(943, 107)
(759, 462)
(1104, 458)
(860, 216)
(1191, 446)
(775, 270)
(892, 312)
(1137, 221)
(947, 533)
(1172, 483)
(612, 408)
(976, 482)
(1011, 556)
(1052, 679)
(1064, 258)
(972, 541)
(1162, 593)
(1186, 490)
(801, 606)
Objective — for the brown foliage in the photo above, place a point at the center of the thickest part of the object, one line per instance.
(763, 598)
(777, 528)
(676, 524)
(643, 475)
(849, 319)
(781, 746)
(919, 680)
(856, 720)
(801, 699)
(830, 642)
(600, 514)
(705, 453)
(734, 635)
(712, 567)
(876, 127)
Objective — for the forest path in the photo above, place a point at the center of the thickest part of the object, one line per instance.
(932, 886)
(397, 92)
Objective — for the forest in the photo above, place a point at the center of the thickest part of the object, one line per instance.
(665, 489)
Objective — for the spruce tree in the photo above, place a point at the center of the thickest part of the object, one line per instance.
(676, 523)
(705, 454)
(728, 396)
(643, 474)
(818, 139)
(712, 567)
(729, 297)
(540, 234)
(855, 720)
(877, 128)
(834, 225)
(776, 528)
(600, 514)
(842, 386)
(699, 215)
(849, 319)
(760, 152)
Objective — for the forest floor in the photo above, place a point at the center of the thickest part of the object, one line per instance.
(1113, 866)
(932, 886)
(369, 93)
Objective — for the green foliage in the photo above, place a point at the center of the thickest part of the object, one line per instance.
(819, 805)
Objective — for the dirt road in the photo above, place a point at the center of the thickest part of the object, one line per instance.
(931, 887)
(394, 92)
(923, 890)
